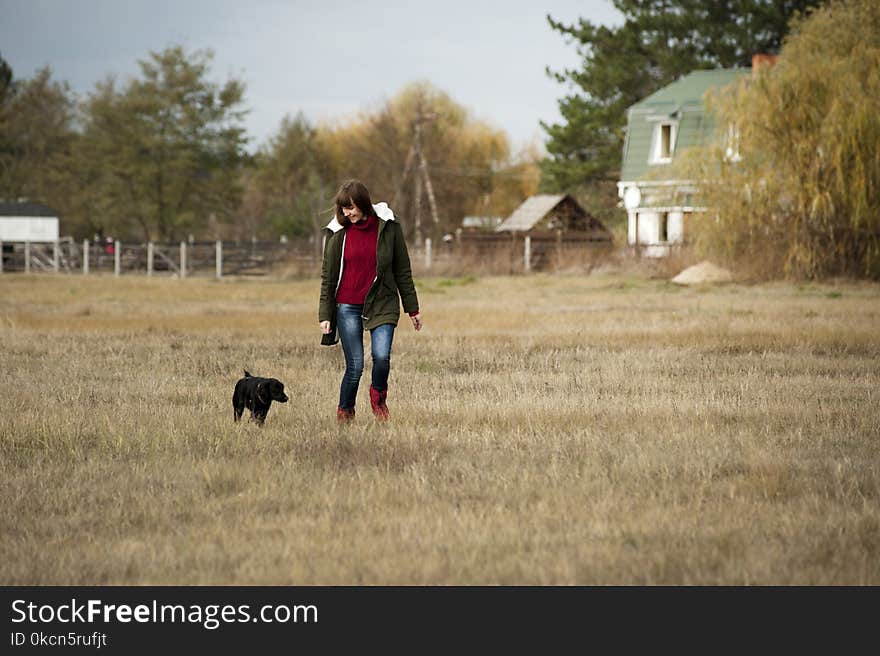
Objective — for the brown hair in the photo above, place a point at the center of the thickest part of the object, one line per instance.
(353, 192)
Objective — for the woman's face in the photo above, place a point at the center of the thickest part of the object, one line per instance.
(353, 213)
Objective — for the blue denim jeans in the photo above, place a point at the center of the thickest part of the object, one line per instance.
(350, 324)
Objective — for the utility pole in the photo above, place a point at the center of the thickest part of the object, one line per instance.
(423, 166)
(406, 169)
(416, 153)
(417, 211)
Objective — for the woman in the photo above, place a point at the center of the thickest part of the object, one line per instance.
(366, 266)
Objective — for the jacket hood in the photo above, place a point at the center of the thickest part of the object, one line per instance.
(382, 210)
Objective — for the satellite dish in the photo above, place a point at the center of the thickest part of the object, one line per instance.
(631, 198)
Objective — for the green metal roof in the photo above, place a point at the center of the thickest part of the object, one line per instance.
(681, 103)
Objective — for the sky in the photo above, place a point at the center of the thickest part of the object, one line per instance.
(330, 60)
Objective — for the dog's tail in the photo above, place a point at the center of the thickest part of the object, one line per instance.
(247, 374)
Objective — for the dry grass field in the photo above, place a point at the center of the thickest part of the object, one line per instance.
(545, 430)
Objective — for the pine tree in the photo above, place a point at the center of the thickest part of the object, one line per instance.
(659, 41)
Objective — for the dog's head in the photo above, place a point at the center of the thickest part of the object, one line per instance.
(271, 390)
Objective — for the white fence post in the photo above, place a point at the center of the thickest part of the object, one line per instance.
(117, 261)
(85, 256)
(527, 255)
(55, 266)
(183, 259)
(428, 254)
(219, 258)
(149, 258)
(27, 257)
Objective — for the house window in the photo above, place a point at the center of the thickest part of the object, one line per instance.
(664, 143)
(663, 227)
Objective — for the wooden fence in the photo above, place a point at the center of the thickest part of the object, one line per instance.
(518, 252)
(216, 258)
(468, 253)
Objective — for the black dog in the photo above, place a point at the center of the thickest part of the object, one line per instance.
(256, 394)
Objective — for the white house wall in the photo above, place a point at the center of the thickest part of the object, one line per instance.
(648, 225)
(675, 227)
(649, 229)
(656, 251)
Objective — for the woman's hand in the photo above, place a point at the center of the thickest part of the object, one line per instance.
(417, 320)
(325, 327)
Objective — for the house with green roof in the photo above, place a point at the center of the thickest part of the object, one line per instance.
(659, 129)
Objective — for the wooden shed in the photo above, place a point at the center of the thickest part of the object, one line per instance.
(546, 232)
(560, 214)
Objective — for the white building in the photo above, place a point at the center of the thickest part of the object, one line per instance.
(659, 205)
(23, 222)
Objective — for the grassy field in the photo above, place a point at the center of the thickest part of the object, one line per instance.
(545, 430)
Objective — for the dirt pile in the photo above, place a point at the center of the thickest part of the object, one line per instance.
(702, 274)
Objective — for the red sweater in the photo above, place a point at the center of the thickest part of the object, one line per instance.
(358, 261)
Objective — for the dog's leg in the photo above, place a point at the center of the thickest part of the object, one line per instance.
(237, 412)
(260, 413)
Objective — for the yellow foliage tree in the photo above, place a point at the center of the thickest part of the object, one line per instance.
(468, 161)
(793, 182)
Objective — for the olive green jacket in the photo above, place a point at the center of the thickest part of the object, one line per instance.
(393, 282)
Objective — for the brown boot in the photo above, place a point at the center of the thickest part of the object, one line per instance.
(377, 402)
(344, 416)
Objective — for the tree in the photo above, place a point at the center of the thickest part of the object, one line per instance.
(468, 161)
(293, 180)
(659, 41)
(40, 150)
(37, 140)
(291, 189)
(5, 78)
(803, 199)
(165, 153)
